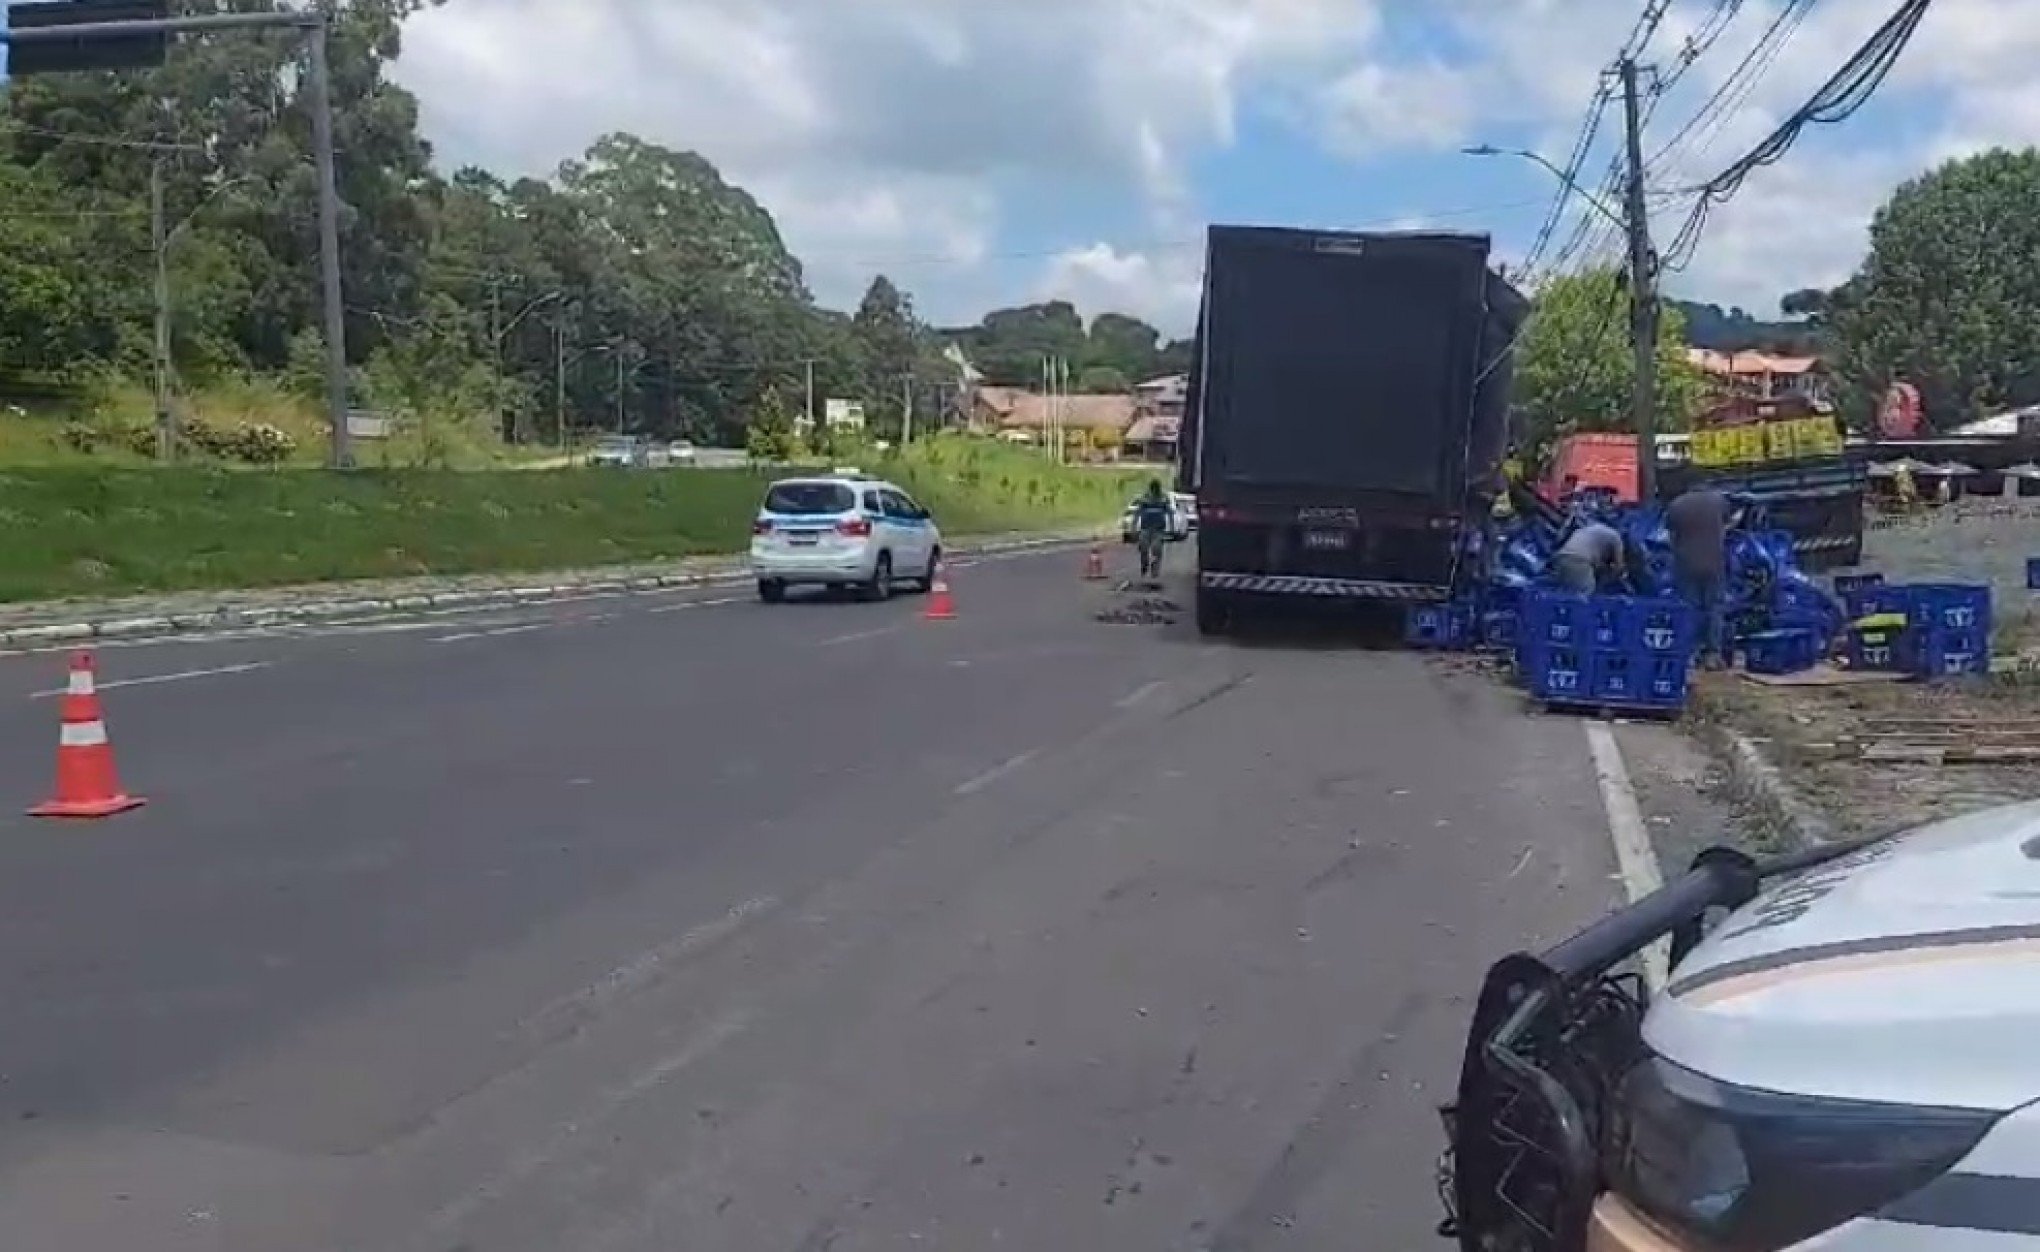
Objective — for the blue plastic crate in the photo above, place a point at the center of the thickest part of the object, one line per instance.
(1558, 618)
(1879, 599)
(1438, 625)
(1608, 621)
(1617, 676)
(1886, 650)
(1663, 625)
(1556, 673)
(1787, 651)
(1666, 679)
(1950, 606)
(1952, 653)
(1498, 628)
(2033, 573)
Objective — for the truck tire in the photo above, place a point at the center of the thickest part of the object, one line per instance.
(1214, 613)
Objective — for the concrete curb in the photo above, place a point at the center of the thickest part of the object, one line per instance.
(320, 608)
(1756, 782)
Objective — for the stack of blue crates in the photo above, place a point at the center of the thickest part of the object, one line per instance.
(1614, 651)
(1448, 626)
(1950, 628)
(1946, 634)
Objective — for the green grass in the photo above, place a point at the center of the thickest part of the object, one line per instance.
(78, 531)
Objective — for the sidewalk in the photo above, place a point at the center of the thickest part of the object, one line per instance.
(172, 612)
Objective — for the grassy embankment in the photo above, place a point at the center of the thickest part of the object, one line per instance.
(75, 530)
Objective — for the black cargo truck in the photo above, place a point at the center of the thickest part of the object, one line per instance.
(1347, 414)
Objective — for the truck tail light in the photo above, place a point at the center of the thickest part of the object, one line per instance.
(855, 527)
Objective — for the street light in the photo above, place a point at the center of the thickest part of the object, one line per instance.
(624, 371)
(496, 348)
(1600, 206)
(166, 420)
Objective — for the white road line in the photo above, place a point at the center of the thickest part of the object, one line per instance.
(1634, 859)
(997, 772)
(860, 635)
(1138, 694)
(154, 679)
(497, 633)
(697, 604)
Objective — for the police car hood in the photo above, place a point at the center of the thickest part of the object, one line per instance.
(1907, 972)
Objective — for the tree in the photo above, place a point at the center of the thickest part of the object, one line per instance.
(1575, 370)
(1949, 296)
(770, 434)
(889, 340)
(1104, 380)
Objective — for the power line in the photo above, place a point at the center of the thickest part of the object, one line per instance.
(1837, 100)
(109, 141)
(1735, 90)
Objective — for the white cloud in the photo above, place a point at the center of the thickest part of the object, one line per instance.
(878, 128)
(1159, 285)
(910, 134)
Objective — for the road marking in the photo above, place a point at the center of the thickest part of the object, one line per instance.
(1634, 859)
(997, 772)
(860, 635)
(155, 679)
(697, 604)
(1138, 694)
(497, 633)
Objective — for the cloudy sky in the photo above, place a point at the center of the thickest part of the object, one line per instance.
(986, 152)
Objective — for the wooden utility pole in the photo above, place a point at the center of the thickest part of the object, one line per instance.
(159, 235)
(1643, 301)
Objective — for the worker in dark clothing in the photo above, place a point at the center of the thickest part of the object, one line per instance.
(1590, 554)
(1152, 514)
(1699, 520)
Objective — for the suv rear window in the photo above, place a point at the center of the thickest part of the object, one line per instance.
(809, 499)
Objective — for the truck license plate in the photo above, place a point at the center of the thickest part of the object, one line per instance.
(1323, 540)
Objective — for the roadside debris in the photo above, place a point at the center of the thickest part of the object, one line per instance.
(1145, 611)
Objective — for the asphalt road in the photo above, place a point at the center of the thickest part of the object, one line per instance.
(677, 921)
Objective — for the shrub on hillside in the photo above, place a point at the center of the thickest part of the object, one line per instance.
(259, 443)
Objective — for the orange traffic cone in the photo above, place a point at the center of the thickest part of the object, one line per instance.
(941, 608)
(1094, 563)
(86, 783)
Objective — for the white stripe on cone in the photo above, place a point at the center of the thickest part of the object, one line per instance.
(83, 735)
(81, 683)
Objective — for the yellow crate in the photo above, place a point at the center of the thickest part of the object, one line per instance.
(1818, 437)
(1750, 444)
(1781, 441)
(1712, 448)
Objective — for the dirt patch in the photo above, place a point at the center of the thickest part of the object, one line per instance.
(1837, 745)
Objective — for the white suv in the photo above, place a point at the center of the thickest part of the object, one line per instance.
(842, 530)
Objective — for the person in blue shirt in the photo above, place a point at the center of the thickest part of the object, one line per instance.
(1151, 516)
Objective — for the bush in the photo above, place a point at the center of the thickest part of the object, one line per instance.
(79, 437)
(259, 443)
(207, 439)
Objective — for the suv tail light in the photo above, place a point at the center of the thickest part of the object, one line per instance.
(856, 527)
(761, 526)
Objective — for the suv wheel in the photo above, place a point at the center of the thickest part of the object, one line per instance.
(927, 580)
(880, 587)
(771, 590)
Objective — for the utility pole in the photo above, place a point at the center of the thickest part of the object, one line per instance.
(906, 410)
(1643, 302)
(808, 406)
(159, 236)
(496, 352)
(320, 82)
(560, 377)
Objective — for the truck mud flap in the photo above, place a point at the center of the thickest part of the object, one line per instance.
(1324, 588)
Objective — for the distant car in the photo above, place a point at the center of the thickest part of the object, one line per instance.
(681, 452)
(842, 531)
(618, 452)
(1186, 508)
(1181, 523)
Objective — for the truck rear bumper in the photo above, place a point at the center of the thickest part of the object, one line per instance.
(1323, 588)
